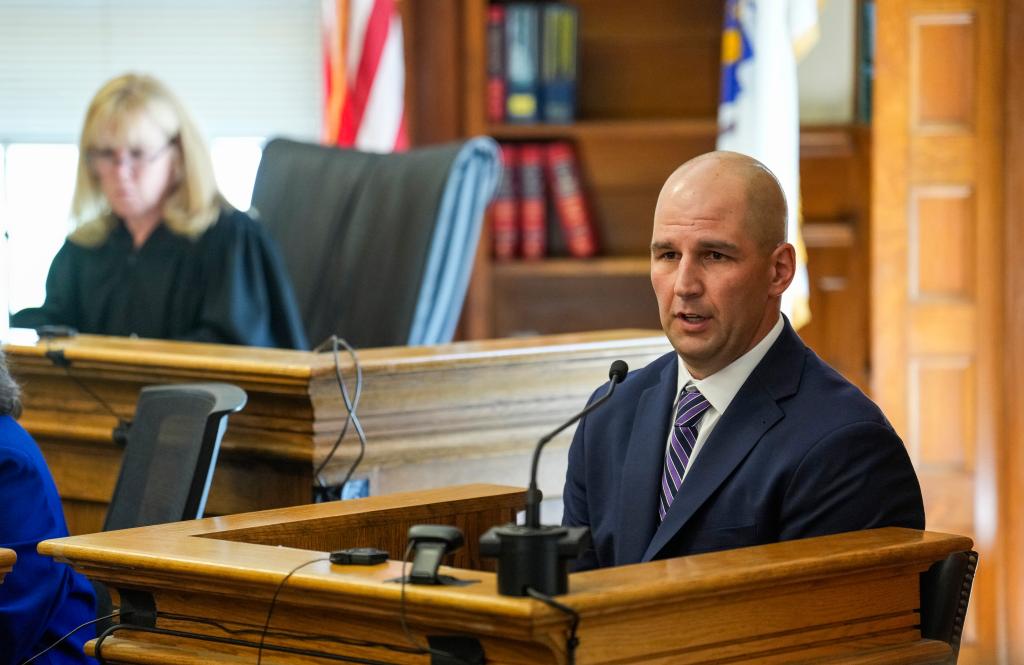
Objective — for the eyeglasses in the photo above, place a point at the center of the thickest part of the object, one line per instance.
(110, 159)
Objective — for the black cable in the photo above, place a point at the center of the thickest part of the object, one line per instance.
(348, 416)
(344, 641)
(70, 633)
(351, 406)
(59, 359)
(227, 640)
(571, 641)
(273, 601)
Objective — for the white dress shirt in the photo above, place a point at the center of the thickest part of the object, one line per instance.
(719, 389)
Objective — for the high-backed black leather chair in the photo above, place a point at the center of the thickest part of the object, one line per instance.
(379, 247)
(171, 453)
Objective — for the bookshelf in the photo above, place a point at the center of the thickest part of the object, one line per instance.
(647, 98)
(638, 118)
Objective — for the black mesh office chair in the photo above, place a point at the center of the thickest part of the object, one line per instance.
(168, 462)
(945, 592)
(171, 453)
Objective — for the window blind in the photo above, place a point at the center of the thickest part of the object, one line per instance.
(242, 67)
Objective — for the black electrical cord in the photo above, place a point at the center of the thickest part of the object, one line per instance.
(227, 640)
(319, 637)
(273, 601)
(59, 359)
(69, 634)
(351, 405)
(571, 641)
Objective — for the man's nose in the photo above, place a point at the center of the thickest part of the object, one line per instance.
(688, 282)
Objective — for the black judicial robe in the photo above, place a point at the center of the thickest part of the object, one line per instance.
(227, 286)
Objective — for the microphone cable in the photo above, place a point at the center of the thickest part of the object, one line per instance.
(571, 641)
(59, 359)
(228, 640)
(69, 634)
(288, 634)
(351, 406)
(273, 601)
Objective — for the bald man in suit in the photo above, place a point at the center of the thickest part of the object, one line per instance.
(742, 435)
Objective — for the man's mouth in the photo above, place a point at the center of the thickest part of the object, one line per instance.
(691, 318)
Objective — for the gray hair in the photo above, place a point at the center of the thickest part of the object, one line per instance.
(10, 405)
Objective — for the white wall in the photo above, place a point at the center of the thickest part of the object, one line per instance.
(826, 75)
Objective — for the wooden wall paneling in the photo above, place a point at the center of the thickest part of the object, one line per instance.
(434, 55)
(1011, 525)
(936, 308)
(476, 313)
(553, 299)
(649, 59)
(835, 197)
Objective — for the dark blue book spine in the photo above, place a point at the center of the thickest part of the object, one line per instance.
(559, 47)
(522, 43)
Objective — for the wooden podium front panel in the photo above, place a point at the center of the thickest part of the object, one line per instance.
(433, 416)
(848, 598)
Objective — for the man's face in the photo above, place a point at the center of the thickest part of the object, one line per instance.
(717, 290)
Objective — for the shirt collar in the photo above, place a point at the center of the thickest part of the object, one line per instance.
(721, 387)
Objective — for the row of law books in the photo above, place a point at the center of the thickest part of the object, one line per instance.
(540, 209)
(531, 62)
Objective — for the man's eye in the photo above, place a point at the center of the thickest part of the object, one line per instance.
(716, 256)
(667, 256)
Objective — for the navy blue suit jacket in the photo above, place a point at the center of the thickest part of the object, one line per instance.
(799, 452)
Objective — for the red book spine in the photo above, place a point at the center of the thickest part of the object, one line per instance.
(505, 209)
(567, 192)
(532, 204)
(496, 63)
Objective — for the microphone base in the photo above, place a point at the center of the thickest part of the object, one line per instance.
(534, 557)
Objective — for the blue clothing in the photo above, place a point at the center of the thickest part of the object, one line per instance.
(40, 600)
(799, 452)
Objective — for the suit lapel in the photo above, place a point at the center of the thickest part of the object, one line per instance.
(752, 412)
(641, 471)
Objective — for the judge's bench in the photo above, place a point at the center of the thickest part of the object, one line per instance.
(433, 415)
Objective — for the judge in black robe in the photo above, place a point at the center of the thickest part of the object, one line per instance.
(157, 252)
(227, 286)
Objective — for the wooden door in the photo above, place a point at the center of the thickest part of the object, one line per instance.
(937, 269)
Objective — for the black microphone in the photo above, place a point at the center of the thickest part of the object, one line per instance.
(533, 556)
(616, 373)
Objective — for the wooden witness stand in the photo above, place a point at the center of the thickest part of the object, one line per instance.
(433, 416)
(849, 598)
(7, 561)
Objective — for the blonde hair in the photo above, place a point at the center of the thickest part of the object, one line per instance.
(194, 201)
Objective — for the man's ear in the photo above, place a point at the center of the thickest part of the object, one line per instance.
(782, 263)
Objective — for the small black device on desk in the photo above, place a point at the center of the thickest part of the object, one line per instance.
(359, 556)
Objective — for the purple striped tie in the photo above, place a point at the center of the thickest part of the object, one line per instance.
(692, 406)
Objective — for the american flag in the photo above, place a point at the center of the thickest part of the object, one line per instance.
(364, 75)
